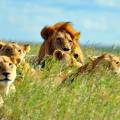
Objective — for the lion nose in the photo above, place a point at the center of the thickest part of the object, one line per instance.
(66, 49)
(8, 50)
(6, 74)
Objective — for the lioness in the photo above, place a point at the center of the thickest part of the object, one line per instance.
(7, 76)
(14, 50)
(7, 73)
(106, 60)
(113, 63)
(59, 36)
(113, 60)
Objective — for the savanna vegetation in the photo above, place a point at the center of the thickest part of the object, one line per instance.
(91, 96)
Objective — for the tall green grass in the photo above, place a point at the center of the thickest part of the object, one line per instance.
(91, 96)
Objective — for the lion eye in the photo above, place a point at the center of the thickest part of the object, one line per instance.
(59, 39)
(19, 51)
(117, 62)
(70, 41)
(10, 64)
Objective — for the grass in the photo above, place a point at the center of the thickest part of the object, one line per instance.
(91, 96)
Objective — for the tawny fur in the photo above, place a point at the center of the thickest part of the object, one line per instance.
(7, 76)
(15, 51)
(49, 33)
(66, 58)
(112, 60)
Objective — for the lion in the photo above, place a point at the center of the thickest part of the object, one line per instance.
(58, 36)
(14, 50)
(107, 60)
(113, 60)
(66, 58)
(7, 76)
(7, 73)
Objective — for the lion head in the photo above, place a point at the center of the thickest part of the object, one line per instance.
(66, 58)
(58, 36)
(14, 50)
(7, 73)
(113, 61)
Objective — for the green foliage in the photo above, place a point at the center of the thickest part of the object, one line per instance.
(91, 96)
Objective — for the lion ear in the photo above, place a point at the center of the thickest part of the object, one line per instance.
(77, 35)
(46, 32)
(14, 61)
(26, 47)
(1, 45)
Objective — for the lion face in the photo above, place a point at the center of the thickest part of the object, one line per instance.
(7, 72)
(114, 61)
(15, 50)
(62, 40)
(59, 36)
(66, 58)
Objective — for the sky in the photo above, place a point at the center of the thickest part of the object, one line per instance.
(97, 20)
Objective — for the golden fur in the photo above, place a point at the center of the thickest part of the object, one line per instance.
(58, 36)
(113, 63)
(113, 60)
(66, 58)
(2, 44)
(14, 50)
(7, 73)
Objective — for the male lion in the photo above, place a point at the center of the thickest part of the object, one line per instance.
(58, 36)
(7, 76)
(14, 50)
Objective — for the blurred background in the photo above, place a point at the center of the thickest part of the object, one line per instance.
(97, 20)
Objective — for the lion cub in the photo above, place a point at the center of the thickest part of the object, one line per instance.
(14, 50)
(7, 76)
(66, 58)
